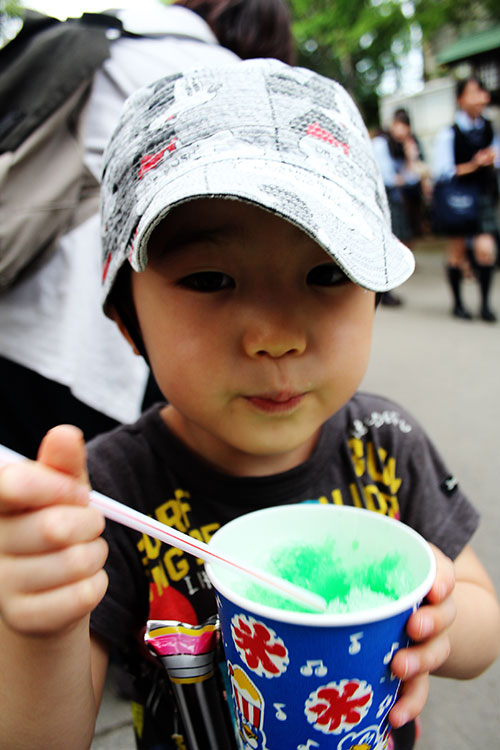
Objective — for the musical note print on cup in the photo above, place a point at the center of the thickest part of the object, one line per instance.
(319, 670)
(280, 714)
(388, 656)
(310, 744)
(355, 646)
(386, 705)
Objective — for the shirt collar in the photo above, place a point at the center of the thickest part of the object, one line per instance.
(465, 122)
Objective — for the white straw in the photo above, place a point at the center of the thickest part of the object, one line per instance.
(120, 513)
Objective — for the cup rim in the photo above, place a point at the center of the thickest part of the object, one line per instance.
(409, 601)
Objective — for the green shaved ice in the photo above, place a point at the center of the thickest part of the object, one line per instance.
(359, 599)
(313, 568)
(346, 588)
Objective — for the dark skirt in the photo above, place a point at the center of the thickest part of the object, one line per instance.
(400, 220)
(488, 215)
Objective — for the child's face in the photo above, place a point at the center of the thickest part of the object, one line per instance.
(254, 335)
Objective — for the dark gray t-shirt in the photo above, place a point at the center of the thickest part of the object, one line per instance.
(371, 454)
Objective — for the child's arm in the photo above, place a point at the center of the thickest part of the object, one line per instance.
(457, 633)
(51, 577)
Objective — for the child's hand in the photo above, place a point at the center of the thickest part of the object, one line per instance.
(428, 628)
(51, 553)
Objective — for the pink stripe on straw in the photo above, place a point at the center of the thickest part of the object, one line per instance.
(131, 518)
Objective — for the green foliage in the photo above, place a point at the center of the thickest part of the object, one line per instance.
(10, 11)
(463, 15)
(9, 8)
(353, 41)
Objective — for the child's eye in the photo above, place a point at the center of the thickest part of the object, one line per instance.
(207, 281)
(327, 274)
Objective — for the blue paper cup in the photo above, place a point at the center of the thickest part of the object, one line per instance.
(304, 681)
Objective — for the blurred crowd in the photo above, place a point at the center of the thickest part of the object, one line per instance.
(454, 194)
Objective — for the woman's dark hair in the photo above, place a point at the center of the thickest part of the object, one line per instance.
(250, 28)
(401, 115)
(462, 85)
(396, 149)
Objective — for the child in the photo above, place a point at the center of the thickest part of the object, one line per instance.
(254, 219)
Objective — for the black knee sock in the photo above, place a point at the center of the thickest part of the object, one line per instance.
(484, 277)
(455, 279)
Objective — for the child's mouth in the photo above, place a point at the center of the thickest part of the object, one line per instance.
(276, 403)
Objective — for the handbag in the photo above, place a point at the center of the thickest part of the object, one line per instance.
(455, 208)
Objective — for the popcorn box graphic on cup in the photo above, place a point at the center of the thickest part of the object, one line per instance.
(301, 680)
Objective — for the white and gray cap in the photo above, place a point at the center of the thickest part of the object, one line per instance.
(283, 138)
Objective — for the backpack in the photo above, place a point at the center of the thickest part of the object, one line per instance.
(46, 74)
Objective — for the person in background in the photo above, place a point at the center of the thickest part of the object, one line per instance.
(470, 151)
(61, 359)
(400, 160)
(250, 28)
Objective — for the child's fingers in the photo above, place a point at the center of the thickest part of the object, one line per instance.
(50, 528)
(444, 581)
(425, 657)
(411, 701)
(52, 611)
(61, 570)
(63, 449)
(51, 556)
(38, 573)
(30, 484)
(430, 620)
(428, 628)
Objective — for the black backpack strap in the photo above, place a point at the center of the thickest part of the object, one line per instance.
(44, 65)
(104, 20)
(33, 23)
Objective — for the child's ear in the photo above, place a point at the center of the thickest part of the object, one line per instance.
(114, 315)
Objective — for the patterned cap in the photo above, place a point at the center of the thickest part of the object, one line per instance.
(283, 138)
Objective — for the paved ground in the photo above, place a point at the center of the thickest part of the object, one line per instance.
(447, 373)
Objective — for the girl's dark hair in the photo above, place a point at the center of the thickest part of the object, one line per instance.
(250, 28)
(401, 115)
(462, 85)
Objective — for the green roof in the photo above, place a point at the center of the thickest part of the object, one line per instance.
(470, 45)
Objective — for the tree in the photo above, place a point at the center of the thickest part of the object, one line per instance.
(463, 16)
(357, 41)
(353, 41)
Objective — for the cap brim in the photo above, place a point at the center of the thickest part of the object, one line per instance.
(348, 229)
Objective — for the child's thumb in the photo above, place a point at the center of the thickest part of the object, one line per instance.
(63, 449)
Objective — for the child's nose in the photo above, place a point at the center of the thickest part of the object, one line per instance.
(274, 335)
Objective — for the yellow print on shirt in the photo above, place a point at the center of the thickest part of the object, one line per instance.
(380, 492)
(170, 564)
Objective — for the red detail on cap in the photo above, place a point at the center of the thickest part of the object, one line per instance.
(106, 267)
(150, 161)
(317, 131)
